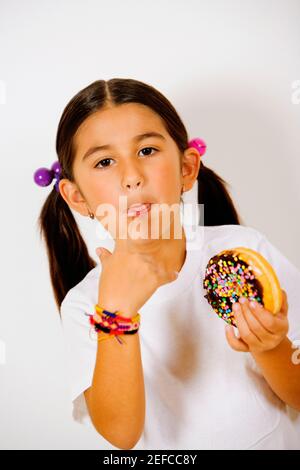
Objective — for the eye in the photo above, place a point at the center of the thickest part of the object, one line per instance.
(104, 160)
(107, 159)
(147, 148)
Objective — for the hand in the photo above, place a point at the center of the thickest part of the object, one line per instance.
(129, 279)
(259, 329)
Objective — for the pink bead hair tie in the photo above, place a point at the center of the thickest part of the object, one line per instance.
(198, 144)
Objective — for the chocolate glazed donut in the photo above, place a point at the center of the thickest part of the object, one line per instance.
(240, 272)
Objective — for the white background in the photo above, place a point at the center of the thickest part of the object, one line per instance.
(227, 66)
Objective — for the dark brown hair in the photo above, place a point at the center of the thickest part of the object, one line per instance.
(69, 260)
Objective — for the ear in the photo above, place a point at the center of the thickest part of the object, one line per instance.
(190, 167)
(71, 194)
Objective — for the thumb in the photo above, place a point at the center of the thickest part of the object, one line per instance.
(103, 253)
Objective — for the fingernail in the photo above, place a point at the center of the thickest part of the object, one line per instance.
(253, 304)
(236, 307)
(242, 300)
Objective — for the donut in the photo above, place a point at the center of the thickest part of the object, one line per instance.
(240, 272)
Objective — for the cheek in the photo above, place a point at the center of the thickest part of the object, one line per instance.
(92, 186)
(99, 196)
(106, 204)
(167, 179)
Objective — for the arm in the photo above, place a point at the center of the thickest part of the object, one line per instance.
(281, 373)
(116, 398)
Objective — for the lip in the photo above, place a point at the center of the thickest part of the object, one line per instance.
(133, 212)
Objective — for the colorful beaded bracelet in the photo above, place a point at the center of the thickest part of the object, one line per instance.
(113, 324)
(115, 321)
(116, 314)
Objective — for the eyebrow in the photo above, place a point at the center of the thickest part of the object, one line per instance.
(137, 138)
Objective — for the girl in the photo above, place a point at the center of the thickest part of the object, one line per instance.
(183, 380)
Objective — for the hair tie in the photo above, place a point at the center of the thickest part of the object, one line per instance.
(113, 323)
(44, 176)
(198, 144)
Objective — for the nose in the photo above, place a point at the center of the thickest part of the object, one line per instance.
(133, 181)
(132, 177)
(133, 185)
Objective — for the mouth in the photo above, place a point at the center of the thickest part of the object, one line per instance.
(137, 210)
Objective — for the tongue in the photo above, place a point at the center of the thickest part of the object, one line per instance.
(137, 208)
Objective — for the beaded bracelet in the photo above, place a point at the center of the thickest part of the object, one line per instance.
(113, 323)
(101, 311)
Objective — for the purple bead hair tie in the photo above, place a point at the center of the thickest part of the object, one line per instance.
(44, 176)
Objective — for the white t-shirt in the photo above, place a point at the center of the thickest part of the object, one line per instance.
(200, 393)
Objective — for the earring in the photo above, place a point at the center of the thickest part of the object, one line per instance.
(182, 203)
(91, 215)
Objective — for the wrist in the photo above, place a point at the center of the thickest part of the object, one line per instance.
(271, 351)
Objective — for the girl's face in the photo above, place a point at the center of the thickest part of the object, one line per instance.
(140, 169)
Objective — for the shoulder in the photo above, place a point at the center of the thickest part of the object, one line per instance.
(228, 236)
(214, 239)
(238, 231)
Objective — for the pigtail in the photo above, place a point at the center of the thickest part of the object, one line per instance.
(69, 260)
(218, 205)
